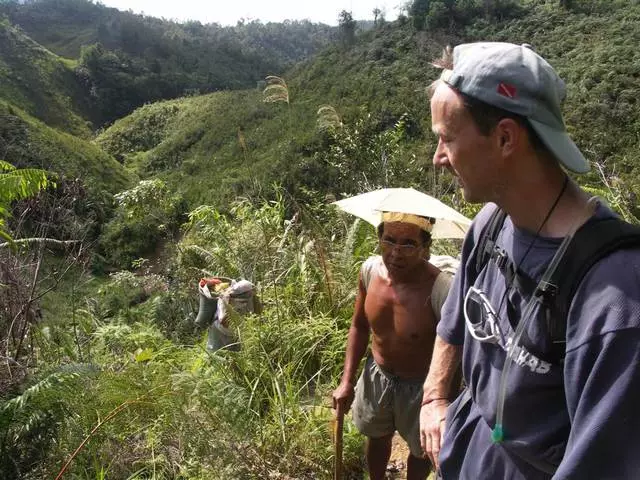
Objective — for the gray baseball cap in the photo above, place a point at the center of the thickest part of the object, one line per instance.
(517, 79)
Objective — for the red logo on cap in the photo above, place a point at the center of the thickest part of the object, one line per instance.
(507, 90)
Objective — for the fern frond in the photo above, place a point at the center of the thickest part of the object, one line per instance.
(18, 184)
(46, 387)
(6, 166)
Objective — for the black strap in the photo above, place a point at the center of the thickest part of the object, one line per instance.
(488, 238)
(594, 241)
(489, 250)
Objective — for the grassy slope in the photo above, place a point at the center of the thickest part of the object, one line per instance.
(40, 83)
(193, 143)
(41, 115)
(28, 142)
(386, 72)
(197, 148)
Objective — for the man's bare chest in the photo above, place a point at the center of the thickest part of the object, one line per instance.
(398, 308)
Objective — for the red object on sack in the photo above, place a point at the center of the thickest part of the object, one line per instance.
(209, 281)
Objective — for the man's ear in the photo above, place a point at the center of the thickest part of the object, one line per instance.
(509, 135)
(427, 249)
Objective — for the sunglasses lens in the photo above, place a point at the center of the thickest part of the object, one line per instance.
(478, 314)
(475, 310)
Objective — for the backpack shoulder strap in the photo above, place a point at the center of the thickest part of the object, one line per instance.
(439, 292)
(591, 243)
(367, 269)
(488, 238)
(594, 241)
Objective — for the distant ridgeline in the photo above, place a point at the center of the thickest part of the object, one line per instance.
(126, 59)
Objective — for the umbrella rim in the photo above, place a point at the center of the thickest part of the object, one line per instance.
(450, 224)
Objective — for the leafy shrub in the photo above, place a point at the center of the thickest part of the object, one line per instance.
(126, 290)
(32, 421)
(118, 339)
(145, 215)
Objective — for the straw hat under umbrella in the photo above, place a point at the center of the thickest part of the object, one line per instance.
(370, 206)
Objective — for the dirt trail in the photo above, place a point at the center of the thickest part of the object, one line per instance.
(397, 467)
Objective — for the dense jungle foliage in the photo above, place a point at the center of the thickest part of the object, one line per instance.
(110, 214)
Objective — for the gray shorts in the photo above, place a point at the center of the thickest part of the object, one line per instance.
(385, 403)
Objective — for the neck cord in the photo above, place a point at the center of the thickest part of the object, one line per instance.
(536, 236)
(497, 432)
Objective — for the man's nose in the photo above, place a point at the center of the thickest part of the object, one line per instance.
(396, 248)
(440, 156)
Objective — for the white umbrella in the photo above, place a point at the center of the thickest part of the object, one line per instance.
(369, 207)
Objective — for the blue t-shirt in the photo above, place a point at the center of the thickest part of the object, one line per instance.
(584, 415)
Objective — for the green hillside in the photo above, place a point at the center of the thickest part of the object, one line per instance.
(28, 142)
(126, 60)
(194, 144)
(41, 83)
(374, 84)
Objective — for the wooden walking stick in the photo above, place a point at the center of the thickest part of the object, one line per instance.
(337, 439)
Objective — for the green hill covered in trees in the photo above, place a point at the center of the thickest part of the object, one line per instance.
(126, 59)
(39, 82)
(377, 86)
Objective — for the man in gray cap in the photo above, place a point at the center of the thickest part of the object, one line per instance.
(551, 392)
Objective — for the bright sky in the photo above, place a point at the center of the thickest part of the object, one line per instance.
(228, 12)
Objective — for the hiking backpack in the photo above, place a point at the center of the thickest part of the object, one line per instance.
(592, 242)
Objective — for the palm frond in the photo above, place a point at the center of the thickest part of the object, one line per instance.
(6, 166)
(17, 184)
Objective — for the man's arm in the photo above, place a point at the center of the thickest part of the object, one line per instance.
(435, 398)
(357, 342)
(446, 359)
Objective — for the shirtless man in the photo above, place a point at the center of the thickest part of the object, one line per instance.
(394, 303)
